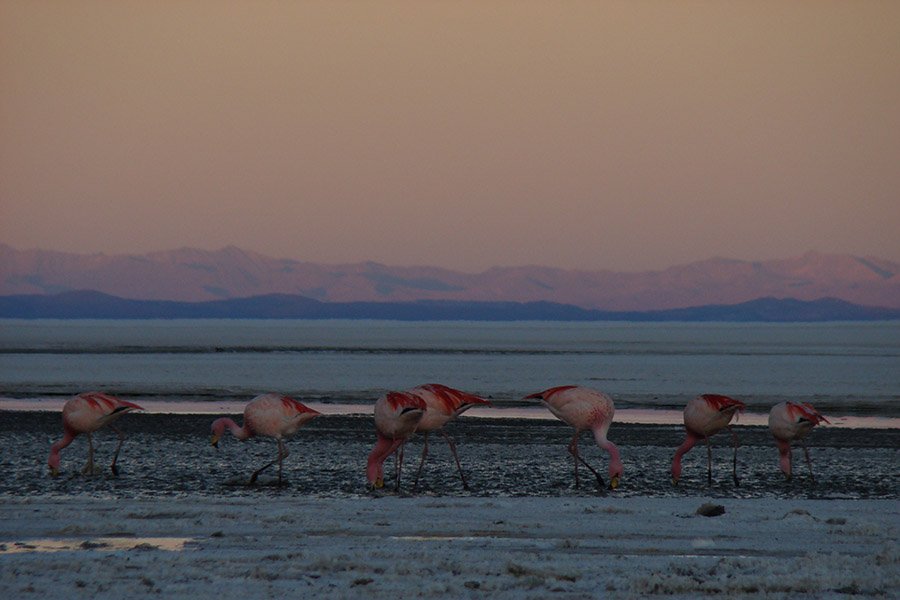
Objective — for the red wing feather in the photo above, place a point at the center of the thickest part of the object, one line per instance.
(806, 411)
(404, 400)
(719, 402)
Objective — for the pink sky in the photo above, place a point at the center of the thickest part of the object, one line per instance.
(620, 135)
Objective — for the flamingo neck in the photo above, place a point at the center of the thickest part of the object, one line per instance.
(615, 461)
(689, 442)
(784, 452)
(241, 433)
(384, 446)
(53, 461)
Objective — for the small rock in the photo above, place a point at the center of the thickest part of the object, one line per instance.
(711, 510)
(472, 585)
(363, 581)
(89, 545)
(837, 521)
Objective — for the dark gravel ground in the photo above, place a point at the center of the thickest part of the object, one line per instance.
(170, 456)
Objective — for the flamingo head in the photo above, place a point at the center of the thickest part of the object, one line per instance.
(53, 463)
(218, 428)
(676, 471)
(615, 472)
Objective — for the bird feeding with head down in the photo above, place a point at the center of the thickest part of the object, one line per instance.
(704, 416)
(396, 416)
(443, 404)
(267, 415)
(789, 422)
(585, 408)
(86, 413)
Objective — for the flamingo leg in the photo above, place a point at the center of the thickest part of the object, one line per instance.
(399, 464)
(282, 453)
(422, 462)
(737, 482)
(708, 462)
(121, 434)
(573, 450)
(89, 465)
(808, 461)
(456, 458)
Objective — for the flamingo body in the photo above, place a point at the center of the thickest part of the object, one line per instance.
(443, 404)
(267, 415)
(585, 408)
(396, 416)
(789, 422)
(704, 416)
(86, 413)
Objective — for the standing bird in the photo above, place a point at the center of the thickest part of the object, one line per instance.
(86, 413)
(443, 405)
(584, 408)
(705, 416)
(396, 417)
(270, 415)
(791, 421)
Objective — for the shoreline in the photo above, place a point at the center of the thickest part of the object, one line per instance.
(638, 416)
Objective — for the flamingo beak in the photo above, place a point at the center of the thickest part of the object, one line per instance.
(54, 472)
(379, 483)
(614, 482)
(214, 441)
(674, 481)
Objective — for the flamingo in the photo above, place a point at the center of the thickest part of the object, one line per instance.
(584, 408)
(443, 405)
(704, 416)
(791, 421)
(86, 413)
(396, 417)
(269, 415)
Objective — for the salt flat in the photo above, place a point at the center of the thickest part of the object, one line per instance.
(455, 547)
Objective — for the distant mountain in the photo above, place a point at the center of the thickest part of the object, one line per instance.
(95, 305)
(197, 275)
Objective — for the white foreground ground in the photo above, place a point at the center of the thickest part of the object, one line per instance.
(427, 547)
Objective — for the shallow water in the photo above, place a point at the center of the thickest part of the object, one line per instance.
(842, 368)
(170, 456)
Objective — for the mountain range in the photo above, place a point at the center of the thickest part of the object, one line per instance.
(193, 275)
(94, 305)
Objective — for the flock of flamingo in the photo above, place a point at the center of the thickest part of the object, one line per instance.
(427, 408)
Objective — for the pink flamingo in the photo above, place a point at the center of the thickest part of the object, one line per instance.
(270, 415)
(704, 416)
(791, 421)
(584, 408)
(86, 413)
(443, 405)
(396, 417)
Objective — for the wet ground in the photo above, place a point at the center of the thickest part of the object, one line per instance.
(170, 456)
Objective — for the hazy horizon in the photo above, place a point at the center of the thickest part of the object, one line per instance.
(615, 136)
(798, 256)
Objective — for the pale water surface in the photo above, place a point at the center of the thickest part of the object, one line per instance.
(844, 368)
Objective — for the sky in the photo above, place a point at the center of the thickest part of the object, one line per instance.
(584, 135)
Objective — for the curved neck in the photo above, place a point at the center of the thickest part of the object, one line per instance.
(689, 442)
(375, 464)
(784, 451)
(615, 461)
(241, 433)
(53, 461)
